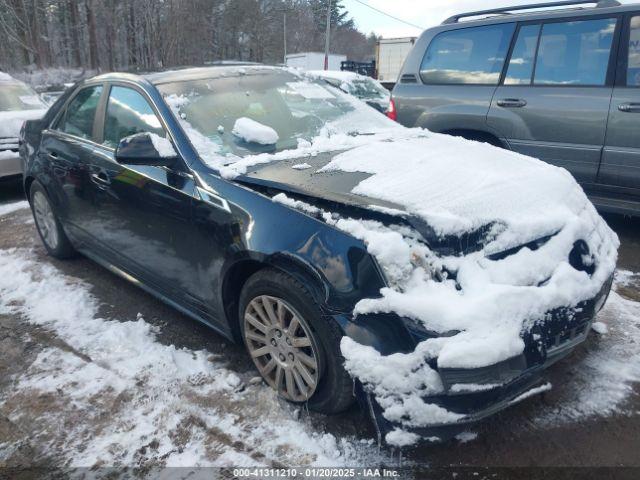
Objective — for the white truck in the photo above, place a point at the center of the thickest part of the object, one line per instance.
(390, 55)
(314, 60)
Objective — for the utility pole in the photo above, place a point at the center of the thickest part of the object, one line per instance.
(285, 37)
(326, 40)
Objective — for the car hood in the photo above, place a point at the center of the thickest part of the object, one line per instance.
(11, 122)
(460, 195)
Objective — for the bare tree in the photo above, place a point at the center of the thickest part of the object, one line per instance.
(111, 35)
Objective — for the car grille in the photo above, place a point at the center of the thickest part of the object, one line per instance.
(557, 337)
(9, 143)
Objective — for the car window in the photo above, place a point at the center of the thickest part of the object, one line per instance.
(81, 112)
(521, 63)
(574, 53)
(292, 108)
(128, 113)
(633, 65)
(467, 56)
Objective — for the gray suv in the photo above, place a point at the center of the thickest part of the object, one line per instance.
(561, 84)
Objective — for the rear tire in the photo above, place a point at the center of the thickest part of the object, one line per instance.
(53, 238)
(273, 299)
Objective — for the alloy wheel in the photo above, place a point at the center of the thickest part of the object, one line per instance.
(280, 343)
(45, 220)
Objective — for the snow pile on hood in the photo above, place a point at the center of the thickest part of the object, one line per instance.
(126, 399)
(254, 132)
(11, 122)
(479, 305)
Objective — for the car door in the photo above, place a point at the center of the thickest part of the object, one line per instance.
(67, 147)
(553, 101)
(620, 166)
(141, 215)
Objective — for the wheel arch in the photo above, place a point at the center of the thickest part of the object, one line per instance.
(476, 135)
(237, 274)
(27, 182)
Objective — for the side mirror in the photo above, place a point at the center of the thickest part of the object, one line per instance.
(146, 149)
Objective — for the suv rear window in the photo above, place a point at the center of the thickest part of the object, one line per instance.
(467, 56)
(574, 53)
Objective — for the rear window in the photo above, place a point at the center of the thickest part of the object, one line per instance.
(467, 56)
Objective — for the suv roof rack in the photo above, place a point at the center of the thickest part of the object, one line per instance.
(531, 6)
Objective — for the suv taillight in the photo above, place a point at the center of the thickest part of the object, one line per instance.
(391, 111)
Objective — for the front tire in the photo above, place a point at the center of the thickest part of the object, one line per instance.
(54, 239)
(294, 347)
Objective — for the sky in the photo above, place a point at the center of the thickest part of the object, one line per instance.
(423, 13)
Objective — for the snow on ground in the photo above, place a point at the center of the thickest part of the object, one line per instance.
(124, 398)
(602, 383)
(8, 208)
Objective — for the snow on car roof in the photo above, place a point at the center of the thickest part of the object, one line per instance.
(198, 73)
(335, 74)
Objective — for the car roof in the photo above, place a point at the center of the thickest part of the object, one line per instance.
(541, 12)
(188, 73)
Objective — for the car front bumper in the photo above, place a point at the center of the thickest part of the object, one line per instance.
(478, 393)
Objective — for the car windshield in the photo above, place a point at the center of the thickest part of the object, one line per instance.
(264, 110)
(15, 96)
(367, 89)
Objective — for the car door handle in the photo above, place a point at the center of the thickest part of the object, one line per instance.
(511, 103)
(629, 107)
(100, 179)
(53, 155)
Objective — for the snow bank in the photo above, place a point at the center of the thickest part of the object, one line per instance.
(9, 208)
(124, 398)
(254, 132)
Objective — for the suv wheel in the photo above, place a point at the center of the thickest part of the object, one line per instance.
(295, 349)
(51, 233)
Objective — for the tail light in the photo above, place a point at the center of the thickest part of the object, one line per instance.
(391, 111)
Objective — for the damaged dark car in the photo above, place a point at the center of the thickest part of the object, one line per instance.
(247, 198)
